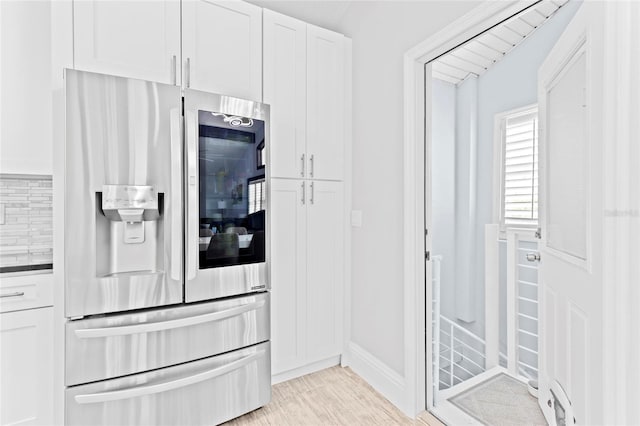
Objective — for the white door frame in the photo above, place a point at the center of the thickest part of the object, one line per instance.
(623, 203)
(417, 295)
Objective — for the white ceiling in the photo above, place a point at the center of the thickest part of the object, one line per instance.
(477, 55)
(327, 14)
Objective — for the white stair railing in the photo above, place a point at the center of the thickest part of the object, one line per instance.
(522, 304)
(435, 348)
(458, 354)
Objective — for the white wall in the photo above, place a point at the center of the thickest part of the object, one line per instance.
(443, 175)
(466, 193)
(382, 32)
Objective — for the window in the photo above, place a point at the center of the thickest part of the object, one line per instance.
(518, 149)
(256, 195)
(260, 160)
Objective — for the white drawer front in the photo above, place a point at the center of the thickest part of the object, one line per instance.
(26, 292)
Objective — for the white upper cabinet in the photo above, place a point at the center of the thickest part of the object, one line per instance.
(325, 103)
(304, 84)
(222, 47)
(285, 89)
(137, 39)
(25, 85)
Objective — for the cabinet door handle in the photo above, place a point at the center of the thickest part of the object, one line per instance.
(302, 165)
(311, 198)
(16, 294)
(311, 165)
(174, 69)
(187, 73)
(303, 190)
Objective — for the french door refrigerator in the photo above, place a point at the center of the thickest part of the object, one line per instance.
(166, 254)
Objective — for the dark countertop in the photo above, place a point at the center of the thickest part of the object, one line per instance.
(26, 268)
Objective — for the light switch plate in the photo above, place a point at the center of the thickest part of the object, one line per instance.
(356, 218)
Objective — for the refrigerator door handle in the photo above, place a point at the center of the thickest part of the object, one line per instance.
(192, 231)
(176, 194)
(167, 386)
(149, 327)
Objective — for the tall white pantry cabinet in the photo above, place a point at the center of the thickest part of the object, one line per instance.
(304, 82)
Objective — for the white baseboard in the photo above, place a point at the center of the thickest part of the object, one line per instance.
(305, 369)
(383, 379)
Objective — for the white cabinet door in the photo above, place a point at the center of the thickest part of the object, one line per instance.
(288, 272)
(26, 367)
(285, 88)
(222, 47)
(325, 269)
(25, 87)
(136, 39)
(325, 103)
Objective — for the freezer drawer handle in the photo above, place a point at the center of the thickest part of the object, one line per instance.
(167, 325)
(133, 392)
(16, 294)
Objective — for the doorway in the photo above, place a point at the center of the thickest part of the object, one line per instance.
(481, 211)
(606, 358)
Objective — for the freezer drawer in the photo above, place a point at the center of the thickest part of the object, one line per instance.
(204, 392)
(117, 345)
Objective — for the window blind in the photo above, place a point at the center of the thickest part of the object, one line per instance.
(520, 171)
(256, 196)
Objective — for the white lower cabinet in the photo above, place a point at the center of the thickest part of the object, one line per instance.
(307, 251)
(26, 367)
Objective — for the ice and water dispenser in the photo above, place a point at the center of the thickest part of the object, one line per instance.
(129, 229)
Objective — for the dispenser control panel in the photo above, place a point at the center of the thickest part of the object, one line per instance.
(130, 203)
(129, 197)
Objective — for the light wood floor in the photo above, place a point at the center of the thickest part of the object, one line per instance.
(335, 396)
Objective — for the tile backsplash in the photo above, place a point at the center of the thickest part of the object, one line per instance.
(26, 232)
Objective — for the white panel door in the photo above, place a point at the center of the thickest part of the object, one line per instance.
(325, 104)
(325, 269)
(285, 80)
(136, 39)
(571, 311)
(26, 144)
(287, 213)
(222, 47)
(26, 367)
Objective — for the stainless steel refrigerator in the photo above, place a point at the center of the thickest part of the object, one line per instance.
(166, 254)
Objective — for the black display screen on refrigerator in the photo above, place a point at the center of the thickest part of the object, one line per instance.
(232, 190)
